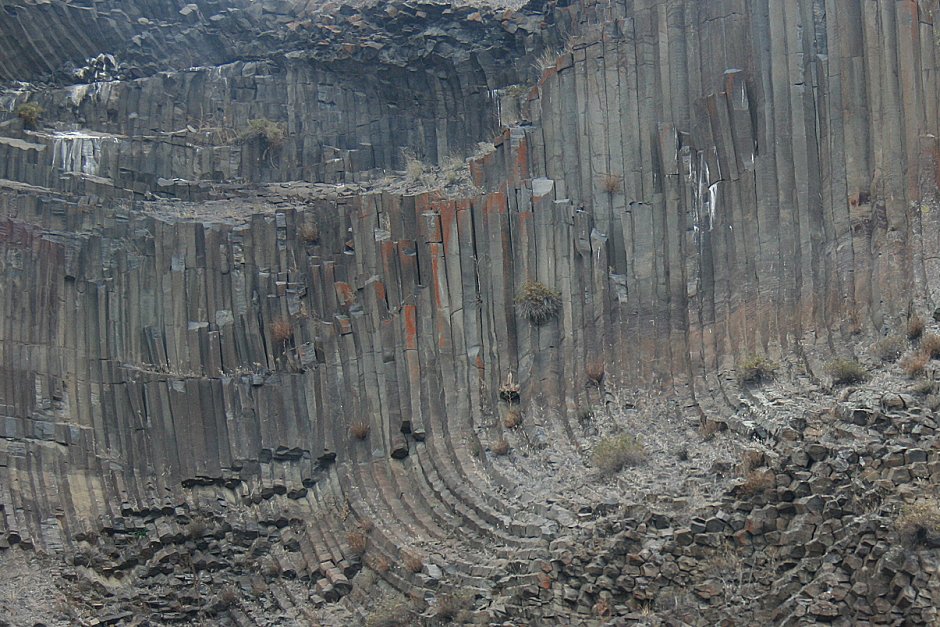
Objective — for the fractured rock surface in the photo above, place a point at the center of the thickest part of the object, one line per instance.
(280, 376)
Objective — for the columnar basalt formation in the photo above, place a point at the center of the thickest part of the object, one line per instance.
(258, 380)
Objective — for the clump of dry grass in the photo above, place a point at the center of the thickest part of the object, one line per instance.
(309, 233)
(393, 612)
(538, 303)
(846, 371)
(512, 419)
(412, 562)
(611, 183)
(756, 369)
(281, 330)
(29, 113)
(915, 327)
(357, 542)
(379, 564)
(919, 523)
(930, 345)
(915, 363)
(710, 428)
(454, 608)
(359, 430)
(595, 372)
(750, 459)
(757, 482)
(612, 454)
(273, 134)
(500, 447)
(889, 349)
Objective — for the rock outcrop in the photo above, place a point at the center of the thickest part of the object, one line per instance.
(253, 373)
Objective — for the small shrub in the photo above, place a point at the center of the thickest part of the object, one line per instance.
(359, 430)
(750, 459)
(512, 419)
(538, 303)
(613, 453)
(476, 449)
(757, 482)
(915, 327)
(365, 525)
(611, 183)
(281, 330)
(924, 388)
(309, 233)
(756, 369)
(914, 363)
(414, 167)
(930, 345)
(710, 428)
(846, 371)
(889, 349)
(453, 608)
(29, 113)
(919, 523)
(412, 562)
(357, 542)
(500, 447)
(595, 372)
(683, 454)
(273, 134)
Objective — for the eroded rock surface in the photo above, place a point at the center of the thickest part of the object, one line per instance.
(263, 361)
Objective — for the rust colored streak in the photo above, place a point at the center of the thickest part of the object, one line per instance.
(411, 327)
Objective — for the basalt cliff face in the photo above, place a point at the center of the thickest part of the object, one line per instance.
(266, 355)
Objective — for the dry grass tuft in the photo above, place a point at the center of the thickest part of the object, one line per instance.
(756, 369)
(595, 372)
(412, 562)
(359, 430)
(612, 454)
(365, 525)
(29, 113)
(750, 459)
(454, 608)
(309, 233)
(846, 371)
(915, 327)
(611, 183)
(889, 349)
(357, 542)
(914, 363)
(500, 447)
(919, 523)
(538, 303)
(379, 564)
(710, 428)
(391, 613)
(757, 482)
(281, 330)
(512, 419)
(273, 134)
(930, 345)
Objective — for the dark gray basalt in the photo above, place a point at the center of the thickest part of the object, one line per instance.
(250, 380)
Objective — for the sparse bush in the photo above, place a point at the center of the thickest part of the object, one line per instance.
(595, 372)
(365, 525)
(930, 345)
(500, 447)
(756, 369)
(611, 183)
(29, 113)
(357, 542)
(454, 608)
(476, 449)
(512, 419)
(683, 454)
(414, 167)
(914, 363)
(586, 414)
(281, 330)
(711, 427)
(750, 459)
(273, 134)
(412, 562)
(613, 453)
(889, 349)
(309, 233)
(538, 303)
(919, 523)
(925, 387)
(359, 430)
(846, 371)
(915, 327)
